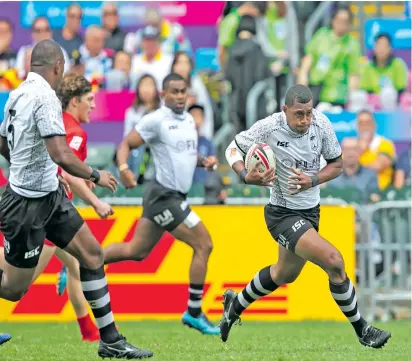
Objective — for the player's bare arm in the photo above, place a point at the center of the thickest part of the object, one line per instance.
(132, 141)
(4, 149)
(63, 156)
(301, 181)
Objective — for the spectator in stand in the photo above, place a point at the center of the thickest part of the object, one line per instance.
(172, 36)
(114, 35)
(77, 63)
(147, 100)
(229, 24)
(153, 60)
(7, 54)
(197, 92)
(332, 62)
(384, 72)
(118, 78)
(355, 175)
(402, 176)
(40, 30)
(246, 66)
(68, 37)
(97, 61)
(282, 22)
(377, 152)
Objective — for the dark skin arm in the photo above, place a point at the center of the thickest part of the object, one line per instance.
(132, 141)
(4, 149)
(331, 171)
(254, 176)
(63, 156)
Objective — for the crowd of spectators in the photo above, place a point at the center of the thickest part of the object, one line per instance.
(256, 41)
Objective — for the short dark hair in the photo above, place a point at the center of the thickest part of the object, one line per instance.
(171, 77)
(385, 36)
(298, 93)
(365, 111)
(46, 53)
(342, 8)
(196, 106)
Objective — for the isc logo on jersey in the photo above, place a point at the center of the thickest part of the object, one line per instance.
(263, 153)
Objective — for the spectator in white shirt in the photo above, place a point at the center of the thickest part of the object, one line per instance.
(197, 92)
(147, 100)
(40, 30)
(118, 78)
(152, 61)
(97, 61)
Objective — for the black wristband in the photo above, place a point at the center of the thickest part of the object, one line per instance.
(315, 180)
(95, 176)
(242, 175)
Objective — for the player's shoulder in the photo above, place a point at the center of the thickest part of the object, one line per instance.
(273, 121)
(320, 119)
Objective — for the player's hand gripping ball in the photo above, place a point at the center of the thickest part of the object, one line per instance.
(260, 162)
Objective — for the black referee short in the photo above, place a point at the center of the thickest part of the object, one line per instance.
(287, 225)
(27, 222)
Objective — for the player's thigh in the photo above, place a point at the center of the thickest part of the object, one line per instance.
(288, 266)
(287, 226)
(45, 257)
(193, 232)
(316, 249)
(146, 235)
(22, 223)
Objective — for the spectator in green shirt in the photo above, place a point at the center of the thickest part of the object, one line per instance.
(384, 69)
(331, 64)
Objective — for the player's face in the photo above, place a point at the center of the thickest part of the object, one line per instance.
(299, 116)
(85, 105)
(175, 96)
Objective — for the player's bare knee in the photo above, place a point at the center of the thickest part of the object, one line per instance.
(334, 263)
(94, 259)
(12, 294)
(281, 277)
(204, 245)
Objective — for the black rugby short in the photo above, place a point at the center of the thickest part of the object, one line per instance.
(287, 225)
(166, 207)
(26, 222)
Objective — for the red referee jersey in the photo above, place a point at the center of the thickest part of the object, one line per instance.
(76, 138)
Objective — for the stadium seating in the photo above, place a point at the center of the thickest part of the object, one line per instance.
(100, 156)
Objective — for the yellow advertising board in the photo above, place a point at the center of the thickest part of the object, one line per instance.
(157, 287)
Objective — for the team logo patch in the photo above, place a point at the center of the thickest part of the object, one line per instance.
(233, 152)
(313, 142)
(76, 142)
(288, 163)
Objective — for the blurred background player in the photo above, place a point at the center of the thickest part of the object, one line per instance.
(293, 213)
(171, 134)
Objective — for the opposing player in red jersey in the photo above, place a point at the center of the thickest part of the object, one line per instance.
(77, 99)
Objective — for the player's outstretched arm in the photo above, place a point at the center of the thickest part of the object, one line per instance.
(63, 156)
(82, 190)
(4, 149)
(132, 141)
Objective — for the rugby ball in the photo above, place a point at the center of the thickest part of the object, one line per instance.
(263, 153)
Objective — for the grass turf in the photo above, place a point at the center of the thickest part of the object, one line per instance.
(170, 341)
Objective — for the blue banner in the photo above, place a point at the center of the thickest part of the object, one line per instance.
(398, 29)
(394, 126)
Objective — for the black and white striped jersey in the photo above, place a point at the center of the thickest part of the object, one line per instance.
(293, 150)
(32, 113)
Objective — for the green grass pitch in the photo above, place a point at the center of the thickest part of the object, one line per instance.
(171, 341)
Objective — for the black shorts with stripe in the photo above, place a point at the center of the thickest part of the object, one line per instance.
(287, 225)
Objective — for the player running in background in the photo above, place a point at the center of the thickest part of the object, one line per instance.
(4, 337)
(35, 207)
(298, 136)
(171, 134)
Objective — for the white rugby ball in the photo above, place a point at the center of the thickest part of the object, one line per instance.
(263, 153)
